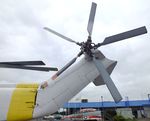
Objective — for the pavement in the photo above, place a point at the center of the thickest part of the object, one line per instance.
(144, 119)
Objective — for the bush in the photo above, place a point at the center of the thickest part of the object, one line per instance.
(121, 118)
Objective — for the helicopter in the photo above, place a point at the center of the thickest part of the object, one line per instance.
(25, 101)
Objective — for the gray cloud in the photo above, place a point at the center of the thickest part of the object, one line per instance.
(22, 38)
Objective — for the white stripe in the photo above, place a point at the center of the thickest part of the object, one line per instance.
(5, 99)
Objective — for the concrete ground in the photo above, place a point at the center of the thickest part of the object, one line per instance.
(141, 119)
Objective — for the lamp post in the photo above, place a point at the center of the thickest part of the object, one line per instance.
(149, 97)
(68, 109)
(127, 101)
(102, 100)
(102, 108)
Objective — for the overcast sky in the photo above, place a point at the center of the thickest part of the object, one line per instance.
(22, 38)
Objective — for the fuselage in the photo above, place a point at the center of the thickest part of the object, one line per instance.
(27, 101)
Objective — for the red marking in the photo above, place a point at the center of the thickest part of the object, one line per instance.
(45, 84)
(54, 77)
(94, 117)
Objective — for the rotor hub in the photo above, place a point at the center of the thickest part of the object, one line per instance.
(87, 46)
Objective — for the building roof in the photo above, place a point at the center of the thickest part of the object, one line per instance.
(108, 104)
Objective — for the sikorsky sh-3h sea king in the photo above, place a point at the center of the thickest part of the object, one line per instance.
(27, 101)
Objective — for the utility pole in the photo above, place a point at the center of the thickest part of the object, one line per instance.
(102, 108)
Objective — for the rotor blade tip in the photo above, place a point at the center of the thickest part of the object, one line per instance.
(117, 101)
(145, 29)
(94, 3)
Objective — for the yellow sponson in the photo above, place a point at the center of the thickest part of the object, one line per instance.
(22, 102)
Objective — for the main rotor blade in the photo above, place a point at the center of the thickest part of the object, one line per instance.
(28, 67)
(24, 63)
(124, 35)
(66, 66)
(60, 35)
(91, 18)
(108, 81)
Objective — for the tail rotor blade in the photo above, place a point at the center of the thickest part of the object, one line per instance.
(60, 35)
(108, 81)
(91, 18)
(125, 35)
